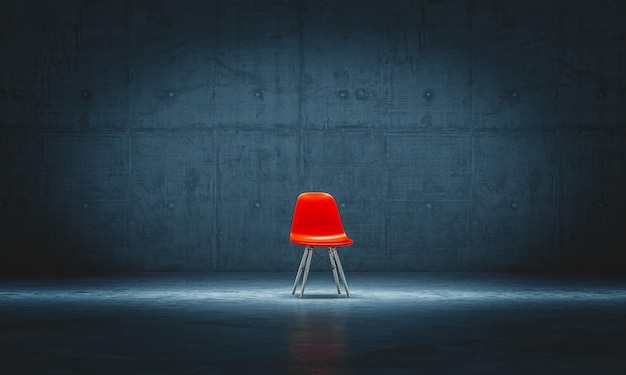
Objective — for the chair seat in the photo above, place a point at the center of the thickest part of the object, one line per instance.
(321, 241)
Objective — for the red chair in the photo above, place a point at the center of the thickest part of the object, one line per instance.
(317, 223)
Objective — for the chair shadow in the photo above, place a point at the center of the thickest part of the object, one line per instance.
(320, 296)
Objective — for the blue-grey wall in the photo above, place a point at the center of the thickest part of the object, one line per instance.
(176, 135)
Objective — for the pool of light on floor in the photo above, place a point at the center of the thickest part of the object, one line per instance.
(275, 291)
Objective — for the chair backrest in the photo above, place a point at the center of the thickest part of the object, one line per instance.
(316, 214)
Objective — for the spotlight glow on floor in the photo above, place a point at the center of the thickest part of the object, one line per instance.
(225, 290)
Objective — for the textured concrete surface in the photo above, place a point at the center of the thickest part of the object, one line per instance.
(249, 323)
(147, 135)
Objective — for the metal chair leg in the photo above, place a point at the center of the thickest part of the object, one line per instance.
(343, 276)
(306, 270)
(300, 268)
(334, 267)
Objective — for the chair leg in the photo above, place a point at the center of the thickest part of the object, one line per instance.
(300, 268)
(334, 267)
(306, 270)
(343, 276)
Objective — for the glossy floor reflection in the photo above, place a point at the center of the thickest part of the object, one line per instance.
(249, 323)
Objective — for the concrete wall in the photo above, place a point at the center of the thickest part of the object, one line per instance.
(176, 135)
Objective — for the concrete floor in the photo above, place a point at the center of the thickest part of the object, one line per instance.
(249, 323)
